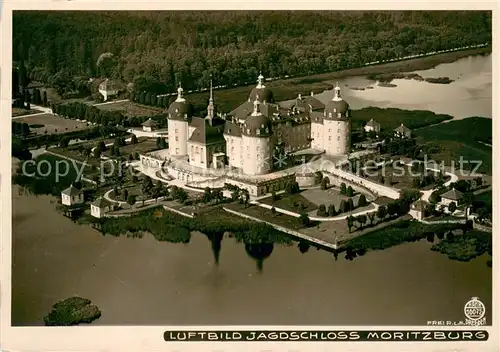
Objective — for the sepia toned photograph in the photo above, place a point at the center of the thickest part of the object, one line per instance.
(287, 168)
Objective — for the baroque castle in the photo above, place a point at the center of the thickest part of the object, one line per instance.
(249, 137)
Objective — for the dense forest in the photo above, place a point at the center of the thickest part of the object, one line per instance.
(159, 49)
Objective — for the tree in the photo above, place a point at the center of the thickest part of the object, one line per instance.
(344, 207)
(349, 191)
(101, 146)
(434, 198)
(133, 139)
(350, 222)
(381, 179)
(392, 208)
(331, 210)
(124, 195)
(452, 207)
(361, 219)
(321, 210)
(131, 199)
(207, 195)
(158, 191)
(182, 195)
(343, 189)
(97, 153)
(292, 187)
(64, 141)
(304, 219)
(273, 211)
(45, 101)
(468, 200)
(274, 196)
(324, 183)
(318, 177)
(371, 216)
(362, 201)
(382, 212)
(350, 204)
(23, 75)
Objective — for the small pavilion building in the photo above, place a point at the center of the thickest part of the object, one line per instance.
(452, 195)
(149, 125)
(417, 209)
(100, 207)
(71, 196)
(402, 132)
(108, 89)
(372, 126)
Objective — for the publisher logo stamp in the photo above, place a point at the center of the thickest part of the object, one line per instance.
(474, 311)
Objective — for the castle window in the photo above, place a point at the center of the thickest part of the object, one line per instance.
(338, 138)
(329, 138)
(176, 131)
(258, 156)
(248, 130)
(197, 150)
(338, 131)
(257, 132)
(258, 148)
(329, 131)
(339, 115)
(330, 114)
(176, 138)
(334, 110)
(338, 150)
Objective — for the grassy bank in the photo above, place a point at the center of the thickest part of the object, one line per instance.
(390, 118)
(167, 226)
(461, 138)
(465, 248)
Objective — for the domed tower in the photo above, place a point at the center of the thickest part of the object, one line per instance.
(337, 126)
(179, 116)
(261, 93)
(256, 143)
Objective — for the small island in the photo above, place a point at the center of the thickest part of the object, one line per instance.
(385, 79)
(72, 311)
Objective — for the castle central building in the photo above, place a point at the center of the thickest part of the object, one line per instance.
(248, 138)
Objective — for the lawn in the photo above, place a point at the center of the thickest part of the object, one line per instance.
(461, 138)
(465, 247)
(284, 220)
(19, 112)
(291, 202)
(143, 146)
(131, 109)
(52, 124)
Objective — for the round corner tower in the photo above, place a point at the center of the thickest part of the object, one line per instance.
(178, 125)
(256, 143)
(337, 126)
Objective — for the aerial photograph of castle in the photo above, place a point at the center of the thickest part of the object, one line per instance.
(251, 167)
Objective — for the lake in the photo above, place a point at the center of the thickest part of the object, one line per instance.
(144, 282)
(469, 95)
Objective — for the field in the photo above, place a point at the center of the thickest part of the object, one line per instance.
(52, 124)
(131, 109)
(462, 138)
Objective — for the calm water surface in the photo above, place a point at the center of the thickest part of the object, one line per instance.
(142, 281)
(469, 95)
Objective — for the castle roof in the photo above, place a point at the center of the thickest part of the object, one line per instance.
(72, 191)
(207, 134)
(336, 106)
(452, 194)
(150, 123)
(373, 123)
(101, 202)
(419, 205)
(261, 93)
(402, 129)
(232, 129)
(180, 109)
